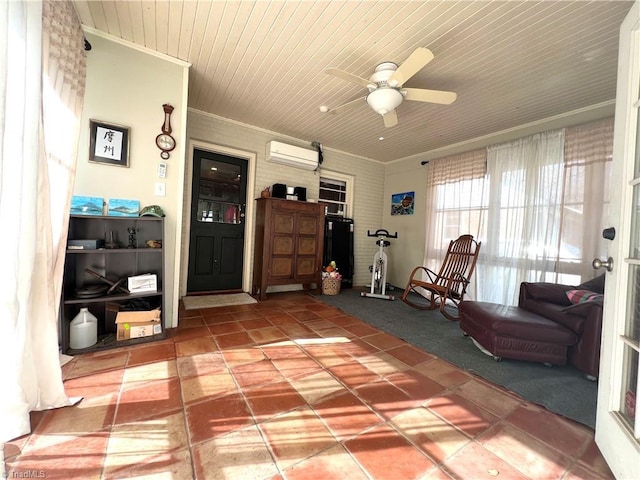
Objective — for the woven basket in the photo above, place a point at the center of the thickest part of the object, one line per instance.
(330, 286)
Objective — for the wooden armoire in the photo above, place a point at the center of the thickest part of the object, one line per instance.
(289, 238)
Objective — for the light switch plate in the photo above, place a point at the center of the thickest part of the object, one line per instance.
(160, 189)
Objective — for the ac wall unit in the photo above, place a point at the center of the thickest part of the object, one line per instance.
(292, 156)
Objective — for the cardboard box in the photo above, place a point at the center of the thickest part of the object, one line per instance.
(143, 283)
(138, 324)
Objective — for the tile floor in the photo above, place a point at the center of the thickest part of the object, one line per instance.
(291, 388)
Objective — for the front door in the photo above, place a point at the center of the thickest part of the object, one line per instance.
(217, 222)
(618, 416)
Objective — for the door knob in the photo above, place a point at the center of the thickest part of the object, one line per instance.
(608, 264)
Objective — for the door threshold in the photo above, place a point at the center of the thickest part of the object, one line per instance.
(214, 292)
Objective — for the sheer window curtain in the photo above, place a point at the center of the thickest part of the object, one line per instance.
(525, 181)
(456, 205)
(588, 155)
(548, 205)
(539, 210)
(42, 79)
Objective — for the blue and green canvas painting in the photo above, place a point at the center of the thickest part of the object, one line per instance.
(123, 208)
(86, 205)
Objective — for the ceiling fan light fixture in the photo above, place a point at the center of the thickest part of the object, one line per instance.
(384, 100)
(386, 90)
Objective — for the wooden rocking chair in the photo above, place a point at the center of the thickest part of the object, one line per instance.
(450, 283)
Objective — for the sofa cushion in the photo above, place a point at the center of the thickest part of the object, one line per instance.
(557, 313)
(548, 292)
(582, 309)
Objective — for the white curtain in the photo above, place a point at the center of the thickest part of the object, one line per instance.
(588, 155)
(42, 74)
(538, 207)
(455, 204)
(523, 228)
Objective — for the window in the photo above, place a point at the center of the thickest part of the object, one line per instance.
(538, 208)
(462, 203)
(336, 193)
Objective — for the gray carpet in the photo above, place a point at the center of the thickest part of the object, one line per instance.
(563, 390)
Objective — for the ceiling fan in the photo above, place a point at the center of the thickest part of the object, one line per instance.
(385, 87)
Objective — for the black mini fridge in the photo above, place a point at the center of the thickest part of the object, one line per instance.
(338, 246)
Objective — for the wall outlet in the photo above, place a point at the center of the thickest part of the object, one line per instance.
(160, 189)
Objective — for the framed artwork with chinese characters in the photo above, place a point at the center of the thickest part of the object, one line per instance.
(108, 143)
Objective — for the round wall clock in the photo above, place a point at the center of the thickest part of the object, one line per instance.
(165, 141)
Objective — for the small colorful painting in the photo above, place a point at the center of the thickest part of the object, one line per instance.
(402, 203)
(86, 205)
(123, 208)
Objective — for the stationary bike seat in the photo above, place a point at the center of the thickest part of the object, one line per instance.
(384, 243)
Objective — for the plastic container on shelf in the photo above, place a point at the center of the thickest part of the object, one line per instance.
(84, 330)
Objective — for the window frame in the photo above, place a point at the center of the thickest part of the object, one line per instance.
(349, 181)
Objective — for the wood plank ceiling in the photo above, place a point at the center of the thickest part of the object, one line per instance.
(263, 62)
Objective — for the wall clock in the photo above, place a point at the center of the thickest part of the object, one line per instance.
(165, 141)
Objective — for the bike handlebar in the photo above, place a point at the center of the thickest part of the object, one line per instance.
(381, 233)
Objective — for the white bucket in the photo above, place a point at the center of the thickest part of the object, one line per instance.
(84, 330)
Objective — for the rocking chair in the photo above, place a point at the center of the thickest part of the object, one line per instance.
(450, 283)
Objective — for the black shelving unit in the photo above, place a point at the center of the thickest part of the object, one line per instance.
(113, 264)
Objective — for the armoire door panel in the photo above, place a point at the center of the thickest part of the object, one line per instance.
(282, 245)
(281, 267)
(283, 223)
(305, 266)
(307, 245)
(307, 225)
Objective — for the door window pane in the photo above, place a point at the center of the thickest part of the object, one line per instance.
(630, 386)
(634, 246)
(219, 196)
(633, 325)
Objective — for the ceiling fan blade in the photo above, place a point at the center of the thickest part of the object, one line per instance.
(349, 77)
(348, 105)
(431, 96)
(416, 61)
(390, 119)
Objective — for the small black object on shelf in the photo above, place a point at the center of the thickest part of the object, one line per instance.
(279, 190)
(301, 193)
(132, 237)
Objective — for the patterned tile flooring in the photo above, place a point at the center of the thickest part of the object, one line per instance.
(291, 388)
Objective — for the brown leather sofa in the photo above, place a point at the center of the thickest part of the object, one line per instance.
(549, 300)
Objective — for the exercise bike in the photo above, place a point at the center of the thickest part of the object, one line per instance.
(379, 268)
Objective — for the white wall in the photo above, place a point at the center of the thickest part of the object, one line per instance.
(127, 86)
(223, 135)
(408, 250)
